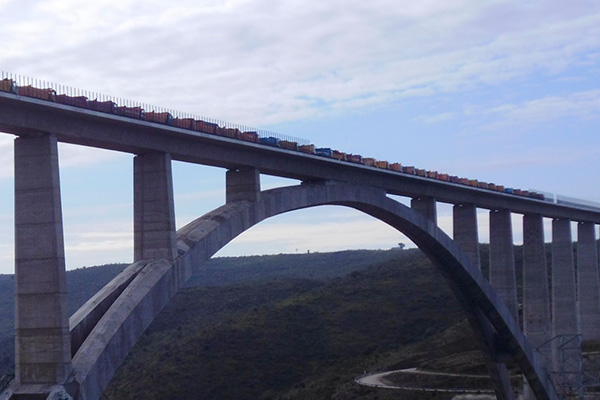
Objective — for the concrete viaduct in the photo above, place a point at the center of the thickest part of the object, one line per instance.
(76, 357)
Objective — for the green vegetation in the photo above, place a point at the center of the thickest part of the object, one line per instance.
(288, 327)
(288, 338)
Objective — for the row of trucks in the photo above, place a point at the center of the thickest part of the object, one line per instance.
(108, 106)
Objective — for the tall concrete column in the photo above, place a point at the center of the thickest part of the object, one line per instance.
(425, 206)
(153, 207)
(565, 321)
(502, 259)
(536, 294)
(564, 305)
(43, 347)
(587, 280)
(465, 231)
(242, 184)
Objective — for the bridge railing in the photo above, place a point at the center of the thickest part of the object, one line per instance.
(21, 80)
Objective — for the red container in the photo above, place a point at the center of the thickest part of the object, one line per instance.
(355, 158)
(250, 137)
(233, 133)
(396, 167)
(131, 112)
(382, 164)
(77, 101)
(160, 117)
(207, 127)
(185, 123)
(103, 106)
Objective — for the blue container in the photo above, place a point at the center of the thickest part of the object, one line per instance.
(324, 152)
(269, 141)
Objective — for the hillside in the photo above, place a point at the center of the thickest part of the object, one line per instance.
(84, 282)
(289, 338)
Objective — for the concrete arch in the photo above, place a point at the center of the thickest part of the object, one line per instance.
(147, 286)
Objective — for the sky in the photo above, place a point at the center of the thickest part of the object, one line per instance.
(501, 91)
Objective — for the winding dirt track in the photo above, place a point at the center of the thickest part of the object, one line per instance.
(378, 380)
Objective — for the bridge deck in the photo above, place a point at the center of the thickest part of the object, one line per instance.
(27, 116)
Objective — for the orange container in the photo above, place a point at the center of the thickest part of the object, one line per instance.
(396, 167)
(368, 161)
(286, 144)
(307, 148)
(338, 155)
(30, 91)
(8, 85)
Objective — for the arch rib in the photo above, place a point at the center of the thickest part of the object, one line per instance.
(157, 281)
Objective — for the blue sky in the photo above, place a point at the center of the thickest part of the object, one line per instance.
(502, 91)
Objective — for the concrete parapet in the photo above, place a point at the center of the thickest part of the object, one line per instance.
(588, 288)
(43, 353)
(502, 259)
(154, 211)
(465, 231)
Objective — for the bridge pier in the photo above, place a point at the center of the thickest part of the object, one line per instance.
(502, 259)
(536, 294)
(565, 322)
(425, 206)
(564, 305)
(154, 210)
(242, 184)
(587, 279)
(43, 349)
(465, 231)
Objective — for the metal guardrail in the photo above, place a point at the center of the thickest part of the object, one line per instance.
(74, 92)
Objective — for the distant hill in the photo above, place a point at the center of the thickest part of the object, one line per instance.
(82, 284)
(85, 282)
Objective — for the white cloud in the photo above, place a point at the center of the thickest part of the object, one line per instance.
(581, 104)
(291, 60)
